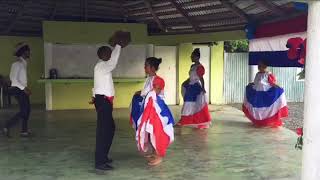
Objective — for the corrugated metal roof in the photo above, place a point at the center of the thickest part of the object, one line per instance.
(207, 12)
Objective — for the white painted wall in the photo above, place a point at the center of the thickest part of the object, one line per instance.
(168, 71)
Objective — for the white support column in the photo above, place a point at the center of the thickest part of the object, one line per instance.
(311, 147)
(47, 66)
(253, 69)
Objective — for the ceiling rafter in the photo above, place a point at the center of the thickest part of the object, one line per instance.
(235, 9)
(85, 10)
(272, 7)
(15, 18)
(184, 13)
(54, 10)
(124, 10)
(154, 15)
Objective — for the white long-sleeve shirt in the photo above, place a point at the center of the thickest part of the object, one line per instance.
(148, 87)
(18, 74)
(103, 82)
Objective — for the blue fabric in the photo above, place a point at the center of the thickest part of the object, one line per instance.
(260, 99)
(273, 58)
(191, 92)
(250, 30)
(165, 111)
(301, 6)
(137, 108)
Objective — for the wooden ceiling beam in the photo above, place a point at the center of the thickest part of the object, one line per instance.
(54, 10)
(156, 9)
(203, 22)
(199, 2)
(235, 10)
(172, 11)
(207, 17)
(206, 30)
(124, 10)
(185, 14)
(28, 34)
(154, 15)
(85, 10)
(169, 7)
(133, 3)
(113, 4)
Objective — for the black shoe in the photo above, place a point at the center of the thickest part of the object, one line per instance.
(109, 161)
(104, 167)
(6, 132)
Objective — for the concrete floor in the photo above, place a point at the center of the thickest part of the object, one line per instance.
(232, 149)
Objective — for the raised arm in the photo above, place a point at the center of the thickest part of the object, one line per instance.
(112, 63)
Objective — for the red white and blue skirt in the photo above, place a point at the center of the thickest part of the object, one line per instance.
(153, 122)
(265, 108)
(195, 111)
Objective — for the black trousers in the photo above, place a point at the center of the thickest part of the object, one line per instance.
(105, 129)
(24, 112)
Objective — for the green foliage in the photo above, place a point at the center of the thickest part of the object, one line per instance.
(236, 46)
(301, 75)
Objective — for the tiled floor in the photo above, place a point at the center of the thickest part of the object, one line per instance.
(232, 149)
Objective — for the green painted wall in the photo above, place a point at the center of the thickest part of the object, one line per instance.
(77, 96)
(217, 59)
(90, 32)
(184, 63)
(35, 66)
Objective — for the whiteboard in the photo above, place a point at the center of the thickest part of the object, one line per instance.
(78, 60)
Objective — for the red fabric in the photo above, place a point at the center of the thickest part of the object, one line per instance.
(272, 79)
(299, 131)
(298, 24)
(110, 98)
(274, 121)
(303, 52)
(294, 45)
(200, 117)
(158, 81)
(200, 71)
(162, 139)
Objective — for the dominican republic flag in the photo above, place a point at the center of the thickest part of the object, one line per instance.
(195, 111)
(153, 121)
(265, 107)
(287, 50)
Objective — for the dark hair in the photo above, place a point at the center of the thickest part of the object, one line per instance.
(196, 52)
(103, 50)
(264, 62)
(154, 62)
(22, 50)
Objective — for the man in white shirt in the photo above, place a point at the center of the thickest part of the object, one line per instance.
(104, 92)
(19, 89)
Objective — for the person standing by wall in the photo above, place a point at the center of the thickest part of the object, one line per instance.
(19, 89)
